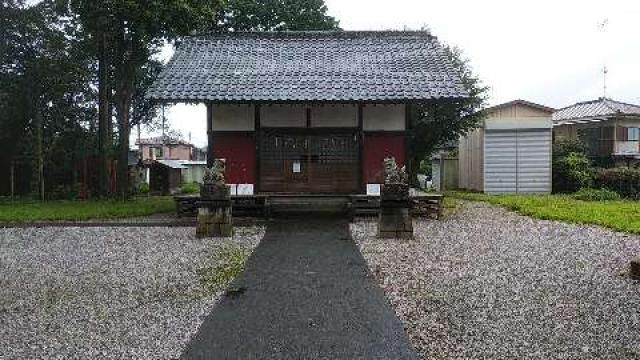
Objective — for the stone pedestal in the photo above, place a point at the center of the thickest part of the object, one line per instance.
(634, 268)
(394, 219)
(214, 212)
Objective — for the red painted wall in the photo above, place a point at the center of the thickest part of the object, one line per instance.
(240, 153)
(376, 148)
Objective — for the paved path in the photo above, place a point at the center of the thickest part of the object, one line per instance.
(306, 293)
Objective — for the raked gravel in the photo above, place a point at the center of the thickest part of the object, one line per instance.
(485, 283)
(109, 293)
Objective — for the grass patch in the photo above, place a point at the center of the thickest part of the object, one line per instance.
(230, 262)
(620, 215)
(74, 210)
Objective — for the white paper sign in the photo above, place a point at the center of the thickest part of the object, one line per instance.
(373, 189)
(245, 189)
(296, 166)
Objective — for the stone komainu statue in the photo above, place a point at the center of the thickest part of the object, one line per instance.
(393, 174)
(214, 175)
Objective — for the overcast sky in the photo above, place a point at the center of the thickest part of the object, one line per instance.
(546, 51)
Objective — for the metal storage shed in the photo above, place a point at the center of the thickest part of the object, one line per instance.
(510, 152)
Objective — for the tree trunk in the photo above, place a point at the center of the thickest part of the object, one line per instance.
(39, 170)
(104, 118)
(123, 105)
(12, 175)
(414, 167)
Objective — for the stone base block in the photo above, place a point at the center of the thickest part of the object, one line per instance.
(395, 223)
(634, 268)
(214, 222)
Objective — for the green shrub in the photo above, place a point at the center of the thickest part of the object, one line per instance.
(143, 188)
(190, 188)
(623, 180)
(589, 194)
(63, 192)
(571, 172)
(563, 147)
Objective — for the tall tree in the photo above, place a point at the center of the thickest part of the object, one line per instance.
(435, 124)
(136, 30)
(275, 15)
(44, 78)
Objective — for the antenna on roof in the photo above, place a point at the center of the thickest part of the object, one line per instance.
(603, 27)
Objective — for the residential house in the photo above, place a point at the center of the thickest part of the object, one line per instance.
(308, 112)
(609, 129)
(164, 148)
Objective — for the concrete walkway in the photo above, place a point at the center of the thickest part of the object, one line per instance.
(306, 293)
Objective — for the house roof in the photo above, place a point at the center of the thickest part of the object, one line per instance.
(523, 103)
(316, 66)
(600, 108)
(161, 140)
(174, 164)
(181, 164)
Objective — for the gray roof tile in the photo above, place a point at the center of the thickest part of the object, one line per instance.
(309, 66)
(602, 107)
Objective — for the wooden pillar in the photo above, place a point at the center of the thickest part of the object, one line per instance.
(210, 153)
(407, 129)
(361, 185)
(257, 137)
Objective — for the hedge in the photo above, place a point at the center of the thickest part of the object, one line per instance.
(623, 180)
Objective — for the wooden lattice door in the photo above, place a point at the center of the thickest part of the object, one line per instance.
(308, 161)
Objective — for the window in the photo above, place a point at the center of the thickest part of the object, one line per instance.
(155, 152)
(633, 134)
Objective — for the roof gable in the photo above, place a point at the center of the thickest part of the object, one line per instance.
(522, 103)
(309, 66)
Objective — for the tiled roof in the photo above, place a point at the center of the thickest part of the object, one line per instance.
(161, 140)
(602, 107)
(309, 66)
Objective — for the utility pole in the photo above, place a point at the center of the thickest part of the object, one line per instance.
(603, 27)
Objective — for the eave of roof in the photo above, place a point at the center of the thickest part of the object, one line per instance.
(316, 66)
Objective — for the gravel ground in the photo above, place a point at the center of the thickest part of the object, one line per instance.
(108, 292)
(485, 283)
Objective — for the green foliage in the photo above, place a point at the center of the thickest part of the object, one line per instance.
(190, 188)
(143, 188)
(275, 15)
(230, 262)
(425, 167)
(83, 210)
(563, 147)
(623, 180)
(589, 194)
(435, 124)
(572, 169)
(47, 107)
(618, 215)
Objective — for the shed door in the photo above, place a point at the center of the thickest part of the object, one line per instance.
(500, 161)
(517, 161)
(534, 161)
(308, 162)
